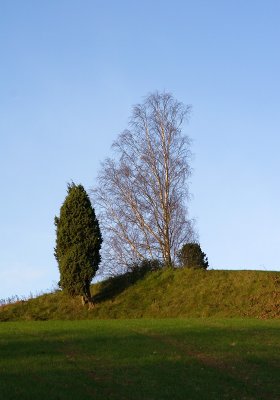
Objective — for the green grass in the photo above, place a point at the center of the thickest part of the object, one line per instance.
(163, 294)
(140, 359)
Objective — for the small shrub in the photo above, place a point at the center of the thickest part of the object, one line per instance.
(191, 256)
(140, 269)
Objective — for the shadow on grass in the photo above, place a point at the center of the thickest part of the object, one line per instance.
(114, 286)
(106, 362)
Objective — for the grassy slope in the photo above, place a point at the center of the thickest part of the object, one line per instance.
(140, 359)
(166, 293)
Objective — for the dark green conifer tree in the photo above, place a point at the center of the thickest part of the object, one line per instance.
(191, 256)
(78, 243)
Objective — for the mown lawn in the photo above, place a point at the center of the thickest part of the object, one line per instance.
(140, 359)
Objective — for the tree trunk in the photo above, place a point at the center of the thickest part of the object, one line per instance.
(87, 296)
(84, 300)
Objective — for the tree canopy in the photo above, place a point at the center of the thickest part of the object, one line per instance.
(78, 242)
(191, 256)
(142, 192)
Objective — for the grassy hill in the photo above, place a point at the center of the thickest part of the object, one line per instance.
(161, 294)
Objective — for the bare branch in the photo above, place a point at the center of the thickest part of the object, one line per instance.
(142, 193)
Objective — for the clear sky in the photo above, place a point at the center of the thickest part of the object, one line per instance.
(70, 71)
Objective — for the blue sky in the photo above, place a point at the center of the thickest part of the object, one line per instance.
(70, 73)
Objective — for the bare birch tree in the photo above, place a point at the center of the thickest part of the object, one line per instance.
(142, 193)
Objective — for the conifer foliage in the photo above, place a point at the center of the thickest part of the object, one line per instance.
(191, 256)
(78, 243)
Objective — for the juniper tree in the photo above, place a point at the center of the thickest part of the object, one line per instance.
(191, 256)
(78, 243)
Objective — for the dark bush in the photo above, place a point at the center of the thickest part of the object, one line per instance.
(191, 256)
(140, 269)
